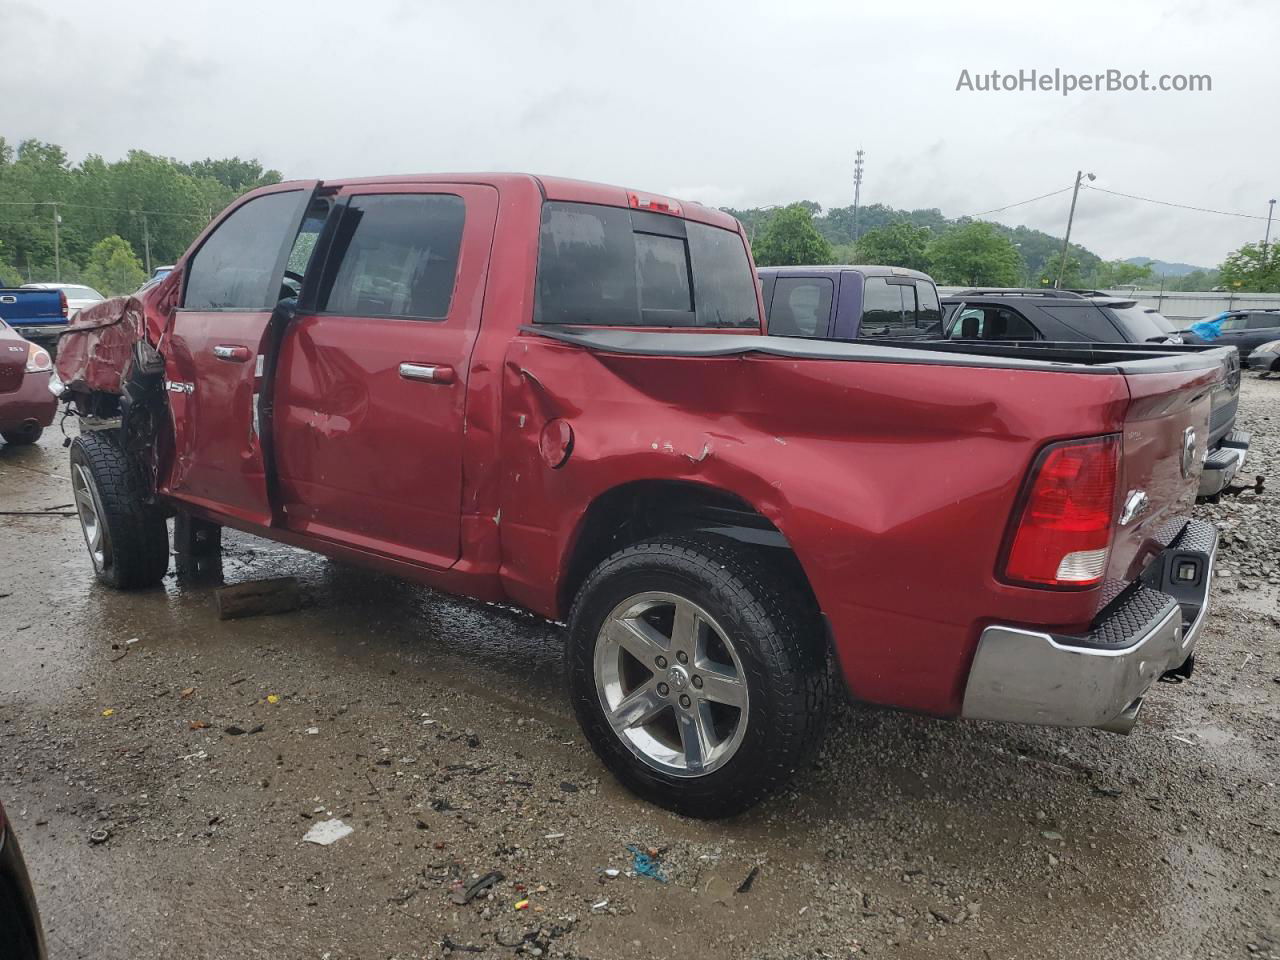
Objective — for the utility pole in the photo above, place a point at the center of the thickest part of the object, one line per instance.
(857, 190)
(1066, 240)
(57, 257)
(1266, 237)
(146, 243)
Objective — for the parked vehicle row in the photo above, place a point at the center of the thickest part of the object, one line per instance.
(559, 394)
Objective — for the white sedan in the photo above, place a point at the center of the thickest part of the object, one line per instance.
(78, 295)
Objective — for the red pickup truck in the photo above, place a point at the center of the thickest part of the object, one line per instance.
(557, 394)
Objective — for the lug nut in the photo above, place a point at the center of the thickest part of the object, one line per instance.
(682, 657)
(697, 681)
(663, 689)
(661, 662)
(684, 700)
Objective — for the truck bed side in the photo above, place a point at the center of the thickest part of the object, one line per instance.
(892, 481)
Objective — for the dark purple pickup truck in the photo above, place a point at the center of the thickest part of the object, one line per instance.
(844, 302)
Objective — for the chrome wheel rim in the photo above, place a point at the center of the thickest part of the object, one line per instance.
(95, 535)
(671, 684)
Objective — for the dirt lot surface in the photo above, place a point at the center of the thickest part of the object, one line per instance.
(162, 767)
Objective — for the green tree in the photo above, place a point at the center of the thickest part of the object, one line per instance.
(113, 268)
(1074, 277)
(975, 255)
(1117, 273)
(896, 245)
(1251, 269)
(789, 238)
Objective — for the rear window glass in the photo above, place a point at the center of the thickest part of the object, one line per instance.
(1141, 322)
(399, 256)
(801, 307)
(617, 267)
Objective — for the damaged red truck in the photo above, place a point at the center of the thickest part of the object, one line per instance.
(557, 394)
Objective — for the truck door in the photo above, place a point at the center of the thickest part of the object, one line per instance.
(231, 284)
(371, 385)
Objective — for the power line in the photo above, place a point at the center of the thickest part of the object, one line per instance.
(1180, 206)
(1020, 203)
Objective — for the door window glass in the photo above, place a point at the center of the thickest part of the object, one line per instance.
(235, 268)
(396, 255)
(801, 307)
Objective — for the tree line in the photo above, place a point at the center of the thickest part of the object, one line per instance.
(107, 223)
(969, 252)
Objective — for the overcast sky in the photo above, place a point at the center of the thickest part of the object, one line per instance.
(727, 102)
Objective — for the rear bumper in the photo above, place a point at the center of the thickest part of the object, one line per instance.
(30, 403)
(1099, 679)
(41, 333)
(1222, 463)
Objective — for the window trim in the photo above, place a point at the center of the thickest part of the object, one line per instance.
(307, 187)
(328, 237)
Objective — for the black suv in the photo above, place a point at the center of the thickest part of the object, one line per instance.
(1053, 315)
(1246, 330)
(1038, 318)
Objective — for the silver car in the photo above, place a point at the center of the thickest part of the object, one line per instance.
(78, 295)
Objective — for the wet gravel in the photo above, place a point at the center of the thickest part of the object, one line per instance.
(162, 767)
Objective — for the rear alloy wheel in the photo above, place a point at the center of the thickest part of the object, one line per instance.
(23, 436)
(127, 538)
(699, 674)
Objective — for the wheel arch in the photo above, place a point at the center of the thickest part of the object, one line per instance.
(639, 509)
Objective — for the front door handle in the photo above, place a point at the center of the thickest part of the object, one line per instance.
(233, 352)
(428, 372)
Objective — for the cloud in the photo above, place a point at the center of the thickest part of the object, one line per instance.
(745, 103)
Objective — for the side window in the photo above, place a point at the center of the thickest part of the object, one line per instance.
(890, 308)
(1234, 323)
(394, 255)
(1087, 321)
(930, 310)
(235, 268)
(881, 307)
(1263, 321)
(992, 323)
(801, 306)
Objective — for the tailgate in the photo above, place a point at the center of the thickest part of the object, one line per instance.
(1166, 433)
(31, 307)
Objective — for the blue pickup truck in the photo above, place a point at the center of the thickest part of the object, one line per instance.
(38, 315)
(844, 302)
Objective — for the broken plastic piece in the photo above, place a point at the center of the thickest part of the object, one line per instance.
(326, 832)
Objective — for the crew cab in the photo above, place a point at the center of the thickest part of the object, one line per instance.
(850, 301)
(35, 313)
(558, 394)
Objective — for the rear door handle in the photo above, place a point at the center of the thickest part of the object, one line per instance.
(428, 372)
(233, 352)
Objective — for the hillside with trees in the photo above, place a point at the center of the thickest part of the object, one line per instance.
(112, 217)
(955, 252)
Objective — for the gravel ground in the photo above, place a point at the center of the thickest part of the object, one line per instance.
(162, 767)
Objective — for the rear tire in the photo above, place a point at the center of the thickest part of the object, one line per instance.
(127, 538)
(24, 436)
(749, 691)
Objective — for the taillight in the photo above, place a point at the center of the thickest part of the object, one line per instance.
(645, 201)
(38, 359)
(62, 301)
(1063, 533)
